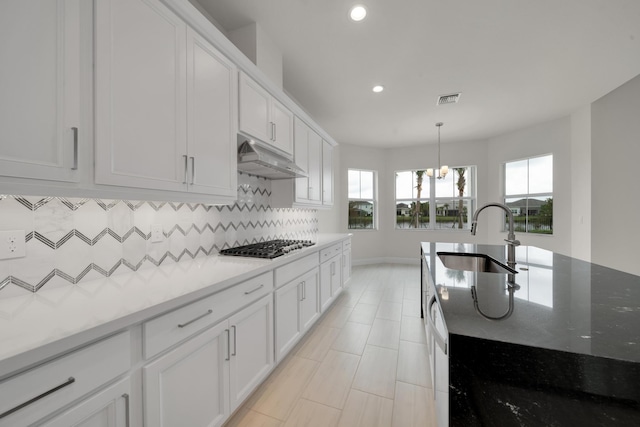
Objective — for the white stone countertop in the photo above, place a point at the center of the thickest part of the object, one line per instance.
(37, 327)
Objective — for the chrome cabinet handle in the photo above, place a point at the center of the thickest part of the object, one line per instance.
(300, 294)
(439, 339)
(235, 343)
(182, 325)
(70, 381)
(304, 291)
(186, 168)
(275, 129)
(193, 170)
(127, 418)
(75, 149)
(253, 290)
(228, 344)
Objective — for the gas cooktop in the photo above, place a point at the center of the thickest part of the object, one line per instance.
(269, 249)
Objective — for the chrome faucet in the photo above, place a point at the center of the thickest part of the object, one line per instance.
(511, 237)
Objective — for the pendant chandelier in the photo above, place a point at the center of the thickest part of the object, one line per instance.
(443, 170)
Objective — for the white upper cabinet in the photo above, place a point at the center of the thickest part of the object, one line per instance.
(212, 117)
(140, 95)
(40, 89)
(263, 117)
(309, 157)
(165, 103)
(327, 174)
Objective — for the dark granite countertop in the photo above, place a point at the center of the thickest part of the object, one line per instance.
(563, 303)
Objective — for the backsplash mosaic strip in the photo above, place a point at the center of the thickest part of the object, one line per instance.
(70, 240)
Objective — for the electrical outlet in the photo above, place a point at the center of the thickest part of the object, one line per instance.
(12, 244)
(156, 233)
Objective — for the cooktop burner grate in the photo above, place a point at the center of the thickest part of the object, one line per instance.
(269, 249)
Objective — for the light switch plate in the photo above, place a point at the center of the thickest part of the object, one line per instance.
(156, 233)
(12, 244)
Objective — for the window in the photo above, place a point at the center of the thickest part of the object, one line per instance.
(362, 199)
(430, 203)
(529, 193)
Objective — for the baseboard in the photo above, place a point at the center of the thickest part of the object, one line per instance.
(386, 260)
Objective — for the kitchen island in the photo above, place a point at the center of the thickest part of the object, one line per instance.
(567, 352)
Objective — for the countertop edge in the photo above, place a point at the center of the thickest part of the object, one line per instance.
(15, 363)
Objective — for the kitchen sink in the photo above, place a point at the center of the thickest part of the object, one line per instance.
(474, 262)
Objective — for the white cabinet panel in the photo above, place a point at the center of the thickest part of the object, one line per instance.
(187, 386)
(282, 126)
(251, 349)
(263, 117)
(327, 174)
(309, 305)
(287, 317)
(40, 89)
(255, 115)
(211, 112)
(108, 408)
(140, 95)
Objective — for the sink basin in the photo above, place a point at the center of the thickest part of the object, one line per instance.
(474, 262)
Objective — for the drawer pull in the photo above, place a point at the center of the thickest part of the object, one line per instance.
(253, 290)
(228, 344)
(127, 414)
(75, 149)
(182, 325)
(235, 343)
(70, 381)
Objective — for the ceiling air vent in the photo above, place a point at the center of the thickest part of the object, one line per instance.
(448, 99)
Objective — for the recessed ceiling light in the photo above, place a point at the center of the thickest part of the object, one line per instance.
(358, 13)
(378, 88)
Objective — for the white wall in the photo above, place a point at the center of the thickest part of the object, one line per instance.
(615, 125)
(581, 184)
(547, 138)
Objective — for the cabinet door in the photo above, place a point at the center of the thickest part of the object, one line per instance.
(40, 101)
(108, 408)
(325, 285)
(211, 117)
(309, 306)
(336, 275)
(287, 300)
(187, 386)
(346, 266)
(315, 168)
(254, 109)
(251, 349)
(301, 156)
(140, 90)
(283, 126)
(327, 174)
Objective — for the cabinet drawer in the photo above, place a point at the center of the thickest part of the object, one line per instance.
(288, 272)
(346, 245)
(177, 325)
(331, 251)
(40, 391)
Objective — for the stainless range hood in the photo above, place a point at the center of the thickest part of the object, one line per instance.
(258, 159)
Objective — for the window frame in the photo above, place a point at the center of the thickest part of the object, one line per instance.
(544, 196)
(373, 200)
(434, 200)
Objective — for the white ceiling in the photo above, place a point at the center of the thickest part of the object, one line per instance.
(516, 62)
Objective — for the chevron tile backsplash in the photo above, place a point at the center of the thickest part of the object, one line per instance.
(73, 240)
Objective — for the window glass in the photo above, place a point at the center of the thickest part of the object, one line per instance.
(362, 205)
(529, 194)
(431, 203)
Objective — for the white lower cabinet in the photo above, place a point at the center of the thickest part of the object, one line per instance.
(330, 281)
(187, 386)
(296, 310)
(202, 381)
(251, 349)
(107, 408)
(36, 394)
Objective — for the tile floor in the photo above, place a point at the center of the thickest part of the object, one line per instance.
(364, 363)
